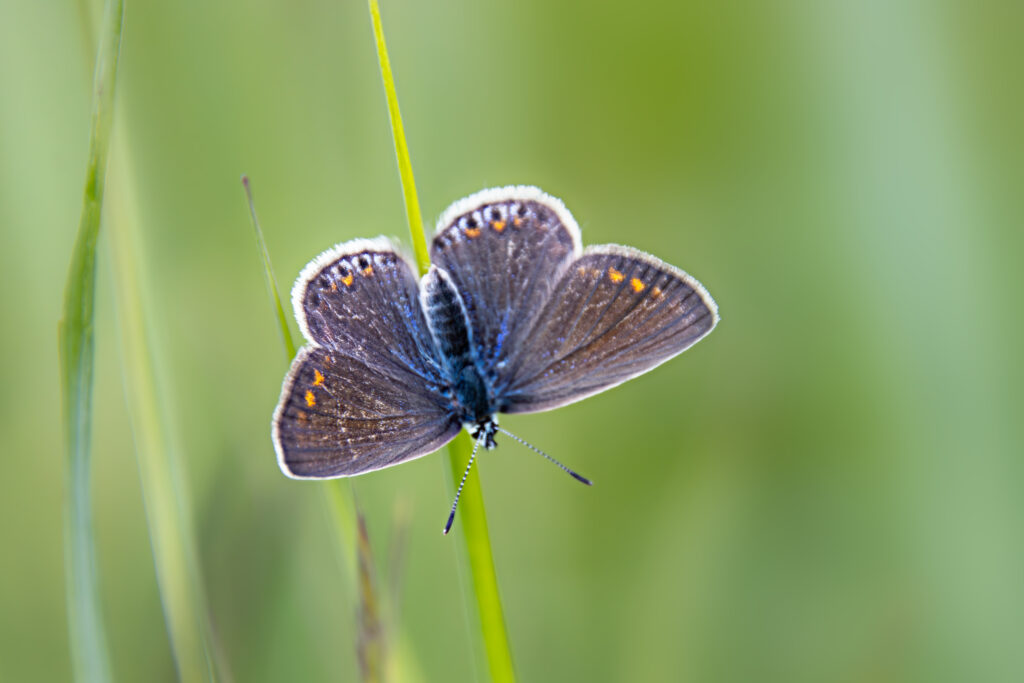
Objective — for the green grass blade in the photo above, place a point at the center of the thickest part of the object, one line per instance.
(370, 646)
(159, 459)
(268, 270)
(412, 202)
(472, 515)
(343, 512)
(340, 504)
(473, 518)
(89, 657)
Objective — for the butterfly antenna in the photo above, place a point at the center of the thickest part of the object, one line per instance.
(451, 515)
(577, 476)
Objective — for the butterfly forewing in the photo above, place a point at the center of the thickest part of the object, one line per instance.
(614, 314)
(362, 299)
(504, 250)
(368, 392)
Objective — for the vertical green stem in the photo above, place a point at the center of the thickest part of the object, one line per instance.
(343, 512)
(473, 519)
(472, 516)
(164, 489)
(89, 656)
(268, 269)
(412, 202)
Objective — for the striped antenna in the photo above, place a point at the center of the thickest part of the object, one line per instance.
(533, 448)
(451, 515)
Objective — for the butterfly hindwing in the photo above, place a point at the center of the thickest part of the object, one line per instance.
(339, 417)
(615, 313)
(504, 249)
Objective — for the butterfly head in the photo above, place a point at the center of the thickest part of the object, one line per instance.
(484, 430)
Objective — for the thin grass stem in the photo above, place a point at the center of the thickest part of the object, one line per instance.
(412, 202)
(164, 492)
(90, 659)
(268, 271)
(472, 515)
(342, 508)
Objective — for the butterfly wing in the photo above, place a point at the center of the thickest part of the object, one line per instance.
(340, 417)
(504, 249)
(615, 313)
(367, 392)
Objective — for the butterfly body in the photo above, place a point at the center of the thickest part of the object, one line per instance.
(514, 316)
(472, 398)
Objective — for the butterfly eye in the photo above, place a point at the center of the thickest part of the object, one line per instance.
(363, 262)
(471, 221)
(520, 211)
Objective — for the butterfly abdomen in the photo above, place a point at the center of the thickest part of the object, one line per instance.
(449, 326)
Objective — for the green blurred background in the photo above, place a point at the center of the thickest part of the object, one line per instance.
(828, 488)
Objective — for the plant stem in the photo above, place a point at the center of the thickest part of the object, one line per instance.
(412, 202)
(341, 506)
(268, 270)
(164, 492)
(89, 656)
(473, 518)
(472, 514)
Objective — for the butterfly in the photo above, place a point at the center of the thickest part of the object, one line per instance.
(514, 316)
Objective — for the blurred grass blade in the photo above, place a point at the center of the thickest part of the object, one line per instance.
(341, 506)
(397, 553)
(339, 501)
(75, 337)
(342, 512)
(268, 270)
(160, 470)
(472, 516)
(371, 647)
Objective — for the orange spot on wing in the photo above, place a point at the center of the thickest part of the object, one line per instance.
(334, 286)
(310, 398)
(498, 225)
(656, 292)
(517, 222)
(318, 379)
(615, 276)
(636, 285)
(347, 280)
(472, 232)
(368, 271)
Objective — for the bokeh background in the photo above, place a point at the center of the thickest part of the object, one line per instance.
(828, 488)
